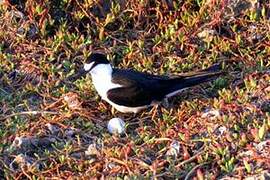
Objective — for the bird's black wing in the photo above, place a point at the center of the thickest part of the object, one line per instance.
(138, 89)
(130, 96)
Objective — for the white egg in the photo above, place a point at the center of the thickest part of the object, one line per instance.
(116, 126)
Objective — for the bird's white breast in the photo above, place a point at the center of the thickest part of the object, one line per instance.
(102, 79)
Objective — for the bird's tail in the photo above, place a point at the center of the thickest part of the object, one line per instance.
(202, 76)
(196, 78)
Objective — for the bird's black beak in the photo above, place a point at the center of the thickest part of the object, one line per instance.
(69, 80)
(78, 75)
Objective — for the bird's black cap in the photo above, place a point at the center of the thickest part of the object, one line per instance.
(98, 58)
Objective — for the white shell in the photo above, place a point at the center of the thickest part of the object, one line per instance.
(116, 126)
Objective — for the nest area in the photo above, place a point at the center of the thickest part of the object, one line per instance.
(217, 130)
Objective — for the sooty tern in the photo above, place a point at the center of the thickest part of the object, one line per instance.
(131, 91)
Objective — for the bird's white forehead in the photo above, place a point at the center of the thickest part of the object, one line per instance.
(87, 66)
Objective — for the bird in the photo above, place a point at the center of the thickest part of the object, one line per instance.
(130, 91)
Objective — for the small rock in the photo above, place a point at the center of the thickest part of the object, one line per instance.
(92, 149)
(222, 129)
(262, 145)
(72, 100)
(207, 35)
(52, 128)
(174, 149)
(111, 165)
(212, 114)
(20, 141)
(248, 153)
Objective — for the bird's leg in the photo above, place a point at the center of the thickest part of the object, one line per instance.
(132, 117)
(165, 103)
(113, 111)
(157, 110)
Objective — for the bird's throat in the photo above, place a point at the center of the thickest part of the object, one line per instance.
(102, 79)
